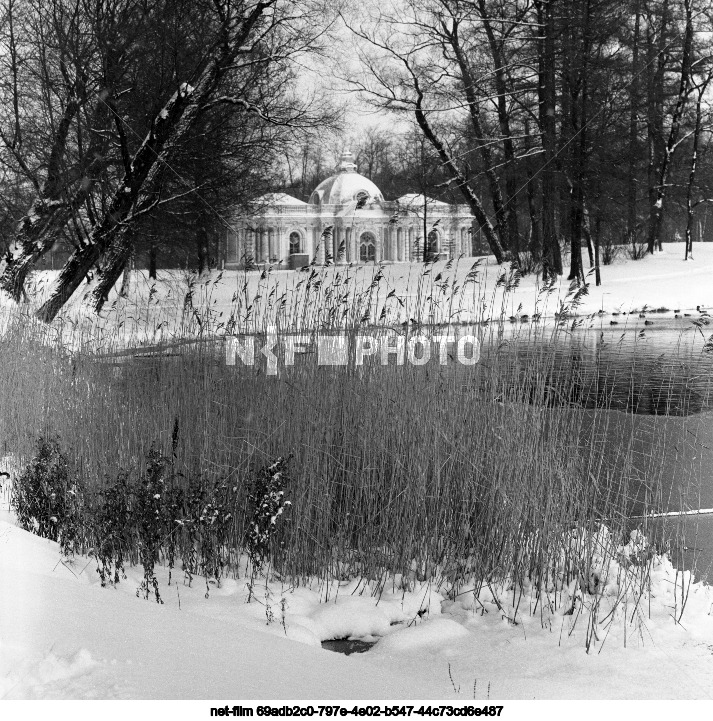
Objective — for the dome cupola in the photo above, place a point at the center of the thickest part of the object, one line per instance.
(346, 186)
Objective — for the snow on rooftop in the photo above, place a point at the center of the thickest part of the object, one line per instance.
(278, 199)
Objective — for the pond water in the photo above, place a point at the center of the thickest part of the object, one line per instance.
(660, 369)
(347, 647)
(656, 382)
(633, 390)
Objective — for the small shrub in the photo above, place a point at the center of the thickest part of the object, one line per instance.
(610, 250)
(47, 499)
(206, 527)
(637, 251)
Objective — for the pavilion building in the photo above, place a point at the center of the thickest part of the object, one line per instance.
(347, 220)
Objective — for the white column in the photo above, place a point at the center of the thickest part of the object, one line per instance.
(270, 244)
(264, 248)
(279, 245)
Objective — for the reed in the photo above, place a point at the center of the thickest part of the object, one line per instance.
(466, 476)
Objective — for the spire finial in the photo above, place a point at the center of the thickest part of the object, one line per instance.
(347, 164)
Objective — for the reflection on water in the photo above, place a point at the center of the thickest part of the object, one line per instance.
(665, 369)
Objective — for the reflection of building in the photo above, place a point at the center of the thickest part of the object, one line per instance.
(365, 227)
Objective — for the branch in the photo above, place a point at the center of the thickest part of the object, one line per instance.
(248, 106)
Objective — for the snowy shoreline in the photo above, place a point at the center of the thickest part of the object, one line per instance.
(119, 646)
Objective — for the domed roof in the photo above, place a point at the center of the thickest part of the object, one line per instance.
(347, 186)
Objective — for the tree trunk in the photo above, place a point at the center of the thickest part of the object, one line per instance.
(125, 281)
(114, 264)
(201, 243)
(692, 174)
(501, 88)
(587, 231)
(578, 123)
(663, 170)
(551, 255)
(631, 205)
(501, 254)
(656, 59)
(153, 262)
(535, 245)
(502, 225)
(597, 273)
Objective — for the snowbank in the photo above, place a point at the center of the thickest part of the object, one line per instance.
(62, 636)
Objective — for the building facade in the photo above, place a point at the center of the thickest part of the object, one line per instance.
(347, 220)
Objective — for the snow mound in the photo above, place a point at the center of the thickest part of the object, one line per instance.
(49, 677)
(436, 632)
(356, 611)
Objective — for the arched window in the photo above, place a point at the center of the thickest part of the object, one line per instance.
(362, 198)
(367, 248)
(295, 243)
(433, 242)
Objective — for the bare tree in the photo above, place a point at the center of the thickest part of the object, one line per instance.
(700, 89)
(662, 162)
(400, 80)
(551, 255)
(56, 54)
(235, 55)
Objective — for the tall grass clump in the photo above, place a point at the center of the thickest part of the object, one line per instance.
(498, 475)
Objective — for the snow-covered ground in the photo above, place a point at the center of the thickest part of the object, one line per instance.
(660, 280)
(158, 311)
(63, 636)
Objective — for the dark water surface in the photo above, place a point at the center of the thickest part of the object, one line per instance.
(661, 369)
(347, 647)
(653, 388)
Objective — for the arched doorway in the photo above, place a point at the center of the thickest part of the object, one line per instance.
(295, 242)
(367, 247)
(433, 243)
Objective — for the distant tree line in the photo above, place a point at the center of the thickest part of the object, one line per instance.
(564, 124)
